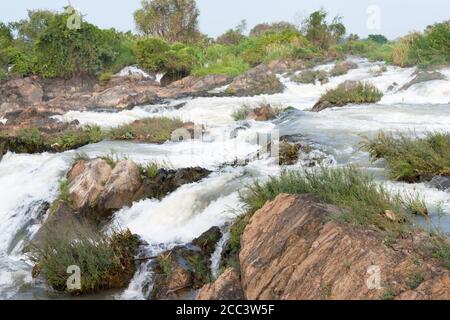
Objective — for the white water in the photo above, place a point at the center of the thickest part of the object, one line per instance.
(26, 181)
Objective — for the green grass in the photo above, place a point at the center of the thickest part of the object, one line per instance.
(241, 113)
(152, 130)
(358, 94)
(412, 158)
(441, 249)
(311, 76)
(105, 261)
(362, 200)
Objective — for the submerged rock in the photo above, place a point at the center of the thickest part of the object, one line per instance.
(424, 76)
(167, 181)
(440, 183)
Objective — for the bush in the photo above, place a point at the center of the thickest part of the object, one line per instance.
(151, 54)
(105, 77)
(105, 261)
(359, 93)
(311, 76)
(361, 199)
(411, 158)
(241, 113)
(152, 130)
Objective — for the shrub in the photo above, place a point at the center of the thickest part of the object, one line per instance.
(311, 76)
(151, 54)
(411, 158)
(105, 77)
(105, 261)
(342, 68)
(152, 130)
(361, 199)
(358, 94)
(241, 113)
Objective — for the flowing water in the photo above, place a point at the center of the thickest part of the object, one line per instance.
(29, 182)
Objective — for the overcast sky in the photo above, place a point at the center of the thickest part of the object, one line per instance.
(390, 17)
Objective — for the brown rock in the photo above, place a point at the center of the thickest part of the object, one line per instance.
(87, 184)
(226, 287)
(292, 250)
(263, 113)
(120, 188)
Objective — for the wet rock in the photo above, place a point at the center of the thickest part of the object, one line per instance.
(87, 181)
(322, 105)
(262, 113)
(424, 76)
(292, 249)
(226, 287)
(119, 190)
(19, 93)
(183, 269)
(259, 80)
(208, 240)
(289, 153)
(440, 183)
(167, 181)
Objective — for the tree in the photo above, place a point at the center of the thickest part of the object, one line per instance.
(233, 36)
(378, 38)
(319, 32)
(276, 27)
(31, 28)
(172, 20)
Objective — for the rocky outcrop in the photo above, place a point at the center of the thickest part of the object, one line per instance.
(292, 250)
(440, 182)
(120, 188)
(342, 68)
(263, 113)
(97, 190)
(424, 76)
(87, 181)
(20, 92)
(227, 287)
(259, 80)
(179, 271)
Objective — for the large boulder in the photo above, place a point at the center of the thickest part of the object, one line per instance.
(263, 113)
(227, 287)
(19, 93)
(292, 249)
(123, 183)
(257, 81)
(86, 182)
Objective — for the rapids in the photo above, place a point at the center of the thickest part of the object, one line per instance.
(28, 182)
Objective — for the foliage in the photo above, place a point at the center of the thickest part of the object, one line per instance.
(106, 261)
(311, 76)
(172, 20)
(360, 198)
(275, 27)
(378, 38)
(358, 94)
(411, 158)
(152, 130)
(241, 113)
(321, 33)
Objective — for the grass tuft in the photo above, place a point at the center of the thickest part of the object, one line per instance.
(358, 94)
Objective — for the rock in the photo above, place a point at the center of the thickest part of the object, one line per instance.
(86, 182)
(292, 250)
(123, 183)
(289, 153)
(124, 97)
(440, 183)
(259, 80)
(167, 181)
(184, 268)
(19, 93)
(322, 105)
(226, 287)
(424, 76)
(262, 113)
(343, 67)
(208, 240)
(197, 85)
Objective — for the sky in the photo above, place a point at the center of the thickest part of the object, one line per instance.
(392, 18)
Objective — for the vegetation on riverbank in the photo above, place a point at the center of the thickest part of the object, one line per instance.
(411, 158)
(105, 261)
(171, 42)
